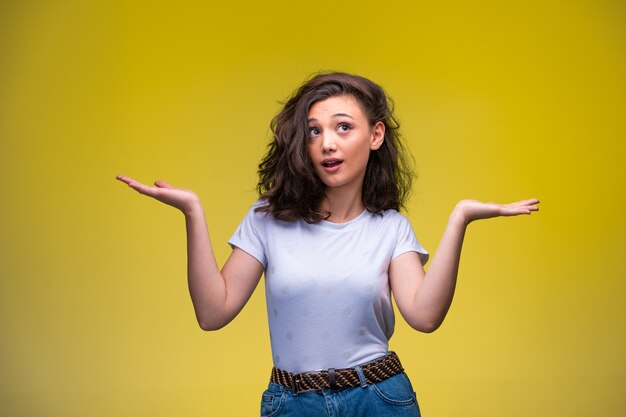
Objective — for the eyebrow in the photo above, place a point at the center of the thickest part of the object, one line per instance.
(334, 115)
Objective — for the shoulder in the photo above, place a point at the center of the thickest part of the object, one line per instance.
(258, 210)
(261, 202)
(398, 224)
(390, 222)
(256, 217)
(260, 215)
(392, 216)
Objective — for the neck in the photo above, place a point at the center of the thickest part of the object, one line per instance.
(343, 205)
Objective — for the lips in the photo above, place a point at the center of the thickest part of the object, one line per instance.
(331, 162)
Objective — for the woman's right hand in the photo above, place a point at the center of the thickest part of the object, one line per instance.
(184, 200)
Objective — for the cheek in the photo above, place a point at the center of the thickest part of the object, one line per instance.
(363, 154)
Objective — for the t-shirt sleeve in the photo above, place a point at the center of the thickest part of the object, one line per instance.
(250, 235)
(407, 242)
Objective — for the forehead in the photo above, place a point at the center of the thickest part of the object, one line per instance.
(344, 104)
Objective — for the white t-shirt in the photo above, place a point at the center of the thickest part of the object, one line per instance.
(327, 285)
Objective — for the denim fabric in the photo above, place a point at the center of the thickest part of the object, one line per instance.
(392, 397)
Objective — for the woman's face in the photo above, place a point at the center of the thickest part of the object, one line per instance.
(340, 141)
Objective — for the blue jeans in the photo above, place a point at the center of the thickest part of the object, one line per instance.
(392, 397)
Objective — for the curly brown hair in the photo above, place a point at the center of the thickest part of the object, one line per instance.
(287, 180)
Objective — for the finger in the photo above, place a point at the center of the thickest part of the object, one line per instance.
(529, 202)
(522, 203)
(144, 189)
(124, 178)
(530, 205)
(515, 211)
(135, 185)
(163, 184)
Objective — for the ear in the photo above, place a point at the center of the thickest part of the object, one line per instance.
(378, 135)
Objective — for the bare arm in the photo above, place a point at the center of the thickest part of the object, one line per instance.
(424, 298)
(217, 295)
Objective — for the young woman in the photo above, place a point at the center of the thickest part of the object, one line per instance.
(327, 233)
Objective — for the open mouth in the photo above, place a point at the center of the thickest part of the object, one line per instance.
(330, 163)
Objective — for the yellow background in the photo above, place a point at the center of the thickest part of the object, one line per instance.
(498, 101)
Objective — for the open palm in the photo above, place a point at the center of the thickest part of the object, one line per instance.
(182, 199)
(475, 210)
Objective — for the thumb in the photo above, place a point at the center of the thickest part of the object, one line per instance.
(163, 184)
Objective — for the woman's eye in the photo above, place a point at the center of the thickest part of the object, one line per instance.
(343, 127)
(313, 131)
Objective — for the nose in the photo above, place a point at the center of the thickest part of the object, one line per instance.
(329, 143)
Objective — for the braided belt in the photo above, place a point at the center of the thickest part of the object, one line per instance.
(375, 371)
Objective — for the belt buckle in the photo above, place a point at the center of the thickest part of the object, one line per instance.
(295, 381)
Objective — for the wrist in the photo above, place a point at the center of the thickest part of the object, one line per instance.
(459, 215)
(194, 209)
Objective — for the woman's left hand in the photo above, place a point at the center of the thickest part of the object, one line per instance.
(471, 210)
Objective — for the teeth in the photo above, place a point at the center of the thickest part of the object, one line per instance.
(331, 163)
